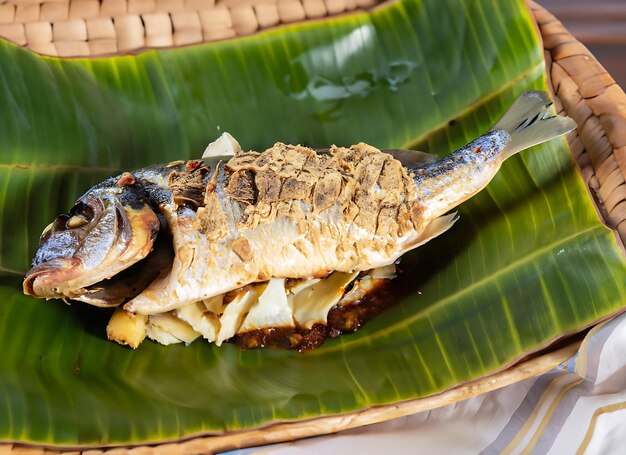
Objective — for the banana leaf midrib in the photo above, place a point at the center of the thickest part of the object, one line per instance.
(538, 69)
(59, 167)
(7, 271)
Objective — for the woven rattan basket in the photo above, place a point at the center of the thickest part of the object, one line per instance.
(580, 86)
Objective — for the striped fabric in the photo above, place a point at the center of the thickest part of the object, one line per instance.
(577, 408)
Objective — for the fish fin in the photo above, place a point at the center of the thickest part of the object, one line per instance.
(436, 227)
(225, 145)
(530, 121)
(412, 157)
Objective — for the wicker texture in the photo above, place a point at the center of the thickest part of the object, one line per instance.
(580, 86)
(88, 28)
(587, 93)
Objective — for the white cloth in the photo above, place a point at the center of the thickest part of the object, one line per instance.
(579, 407)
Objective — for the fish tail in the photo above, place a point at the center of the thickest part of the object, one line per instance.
(531, 121)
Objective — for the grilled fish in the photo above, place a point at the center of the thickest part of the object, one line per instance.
(179, 242)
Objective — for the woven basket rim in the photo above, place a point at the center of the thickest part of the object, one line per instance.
(583, 89)
(101, 28)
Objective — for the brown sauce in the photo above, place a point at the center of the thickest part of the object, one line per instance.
(341, 320)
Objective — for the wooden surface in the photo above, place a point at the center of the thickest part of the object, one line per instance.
(599, 25)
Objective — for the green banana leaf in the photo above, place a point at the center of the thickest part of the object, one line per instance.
(528, 261)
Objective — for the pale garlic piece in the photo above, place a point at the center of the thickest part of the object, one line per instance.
(312, 304)
(272, 309)
(234, 314)
(166, 328)
(205, 322)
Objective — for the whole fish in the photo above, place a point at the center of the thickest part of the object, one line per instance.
(166, 236)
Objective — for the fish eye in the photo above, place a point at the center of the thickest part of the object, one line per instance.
(75, 222)
(79, 215)
(83, 210)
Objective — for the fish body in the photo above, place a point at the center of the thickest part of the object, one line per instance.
(289, 212)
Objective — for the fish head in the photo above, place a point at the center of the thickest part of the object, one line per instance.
(84, 253)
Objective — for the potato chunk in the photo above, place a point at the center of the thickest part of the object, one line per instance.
(127, 328)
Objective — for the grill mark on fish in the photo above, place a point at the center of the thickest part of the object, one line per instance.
(344, 176)
(241, 187)
(189, 185)
(292, 187)
(213, 221)
(326, 191)
(343, 196)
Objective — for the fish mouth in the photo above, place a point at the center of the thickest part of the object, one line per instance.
(45, 279)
